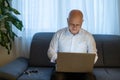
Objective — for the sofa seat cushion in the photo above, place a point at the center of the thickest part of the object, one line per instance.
(114, 73)
(107, 73)
(37, 73)
(101, 74)
(12, 70)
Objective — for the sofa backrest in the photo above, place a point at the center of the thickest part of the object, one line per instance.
(38, 50)
(99, 46)
(108, 49)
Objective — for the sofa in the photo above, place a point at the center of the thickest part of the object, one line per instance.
(39, 67)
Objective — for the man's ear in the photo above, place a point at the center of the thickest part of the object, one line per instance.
(68, 21)
(82, 20)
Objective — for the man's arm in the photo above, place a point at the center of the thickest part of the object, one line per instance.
(92, 47)
(52, 51)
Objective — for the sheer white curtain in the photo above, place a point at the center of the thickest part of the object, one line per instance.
(100, 17)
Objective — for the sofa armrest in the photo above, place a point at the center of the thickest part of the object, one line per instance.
(14, 69)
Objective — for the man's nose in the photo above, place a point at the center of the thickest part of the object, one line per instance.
(74, 26)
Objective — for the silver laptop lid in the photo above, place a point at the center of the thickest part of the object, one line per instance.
(75, 62)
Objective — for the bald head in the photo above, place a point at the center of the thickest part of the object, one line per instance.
(75, 20)
(75, 13)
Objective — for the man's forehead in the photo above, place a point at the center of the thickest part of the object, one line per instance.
(75, 13)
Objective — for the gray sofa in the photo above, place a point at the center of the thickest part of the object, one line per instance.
(38, 66)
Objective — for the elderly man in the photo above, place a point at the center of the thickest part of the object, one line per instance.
(72, 39)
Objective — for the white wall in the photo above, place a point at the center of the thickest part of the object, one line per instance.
(4, 57)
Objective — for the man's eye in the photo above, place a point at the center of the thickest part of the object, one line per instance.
(71, 24)
(74, 24)
(78, 25)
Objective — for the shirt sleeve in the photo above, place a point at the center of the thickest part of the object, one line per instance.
(53, 47)
(92, 47)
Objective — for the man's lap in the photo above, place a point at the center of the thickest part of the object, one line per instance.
(73, 76)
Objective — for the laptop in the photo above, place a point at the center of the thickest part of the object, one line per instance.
(75, 62)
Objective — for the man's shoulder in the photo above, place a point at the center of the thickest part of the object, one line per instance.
(60, 32)
(63, 30)
(85, 32)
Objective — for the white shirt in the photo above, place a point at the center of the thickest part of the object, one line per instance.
(65, 41)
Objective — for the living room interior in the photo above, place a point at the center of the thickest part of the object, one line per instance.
(100, 18)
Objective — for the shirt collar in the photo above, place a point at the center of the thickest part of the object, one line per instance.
(69, 33)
